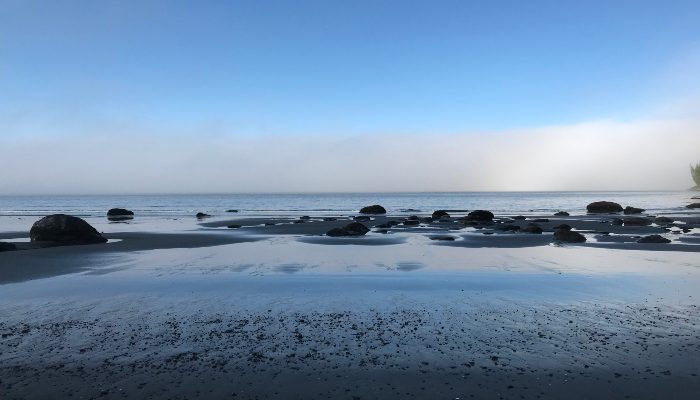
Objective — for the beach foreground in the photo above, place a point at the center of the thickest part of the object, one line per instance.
(283, 311)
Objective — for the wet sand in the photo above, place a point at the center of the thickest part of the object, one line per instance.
(281, 311)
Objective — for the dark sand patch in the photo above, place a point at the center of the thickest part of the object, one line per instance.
(31, 262)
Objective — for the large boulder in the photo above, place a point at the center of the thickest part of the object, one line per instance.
(480, 215)
(4, 246)
(603, 207)
(373, 209)
(64, 230)
(653, 239)
(569, 236)
(694, 205)
(633, 210)
(351, 229)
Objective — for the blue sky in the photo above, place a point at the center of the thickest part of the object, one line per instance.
(279, 67)
(272, 74)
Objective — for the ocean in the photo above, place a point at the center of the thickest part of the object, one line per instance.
(336, 203)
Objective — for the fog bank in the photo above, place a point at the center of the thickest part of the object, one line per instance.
(645, 155)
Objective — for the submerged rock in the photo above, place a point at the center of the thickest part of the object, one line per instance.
(202, 215)
(4, 246)
(480, 215)
(633, 210)
(443, 238)
(664, 220)
(603, 207)
(692, 206)
(569, 236)
(561, 214)
(231, 211)
(531, 228)
(507, 228)
(351, 229)
(519, 217)
(233, 226)
(373, 209)
(653, 239)
(636, 221)
(62, 229)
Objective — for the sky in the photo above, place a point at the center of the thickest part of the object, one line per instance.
(315, 96)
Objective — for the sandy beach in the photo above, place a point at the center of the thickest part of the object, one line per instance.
(271, 307)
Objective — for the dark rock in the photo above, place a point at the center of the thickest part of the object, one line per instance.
(540, 220)
(330, 219)
(61, 229)
(299, 221)
(413, 218)
(270, 224)
(567, 235)
(636, 221)
(119, 212)
(232, 211)
(443, 238)
(439, 214)
(693, 206)
(617, 221)
(383, 226)
(561, 214)
(4, 246)
(374, 209)
(663, 220)
(427, 220)
(531, 228)
(305, 217)
(410, 222)
(201, 215)
(565, 227)
(351, 229)
(362, 218)
(653, 239)
(519, 218)
(603, 207)
(234, 226)
(480, 215)
(633, 210)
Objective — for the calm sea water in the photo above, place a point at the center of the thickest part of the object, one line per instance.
(337, 203)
